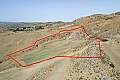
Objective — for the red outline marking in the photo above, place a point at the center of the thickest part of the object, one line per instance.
(46, 59)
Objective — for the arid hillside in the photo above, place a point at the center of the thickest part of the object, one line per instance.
(70, 41)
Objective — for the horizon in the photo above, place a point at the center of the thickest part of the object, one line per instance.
(52, 10)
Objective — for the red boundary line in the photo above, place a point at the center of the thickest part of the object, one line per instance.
(46, 59)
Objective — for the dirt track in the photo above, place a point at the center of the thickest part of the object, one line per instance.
(113, 53)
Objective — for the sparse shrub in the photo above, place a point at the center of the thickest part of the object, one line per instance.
(106, 59)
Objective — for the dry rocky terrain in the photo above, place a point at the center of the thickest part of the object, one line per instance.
(105, 27)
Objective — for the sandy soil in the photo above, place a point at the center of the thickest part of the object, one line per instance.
(102, 26)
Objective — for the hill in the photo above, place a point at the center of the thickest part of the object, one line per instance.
(105, 27)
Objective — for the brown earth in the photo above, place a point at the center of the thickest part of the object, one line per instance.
(106, 27)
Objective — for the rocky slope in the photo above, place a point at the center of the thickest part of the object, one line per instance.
(106, 27)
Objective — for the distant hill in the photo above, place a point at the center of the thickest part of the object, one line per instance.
(24, 24)
(16, 26)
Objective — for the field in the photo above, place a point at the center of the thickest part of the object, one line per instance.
(72, 55)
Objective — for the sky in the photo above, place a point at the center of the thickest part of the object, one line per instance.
(54, 10)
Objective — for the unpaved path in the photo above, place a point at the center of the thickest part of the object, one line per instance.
(24, 73)
(113, 53)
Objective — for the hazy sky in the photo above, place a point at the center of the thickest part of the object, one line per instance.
(54, 10)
